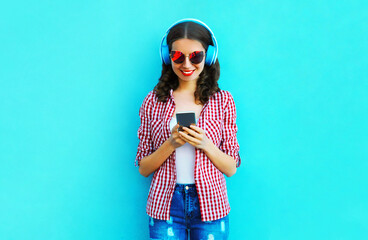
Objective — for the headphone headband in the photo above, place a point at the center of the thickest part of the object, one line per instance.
(212, 51)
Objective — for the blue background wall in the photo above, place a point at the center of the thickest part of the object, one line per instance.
(74, 73)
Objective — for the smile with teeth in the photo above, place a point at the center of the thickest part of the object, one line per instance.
(187, 72)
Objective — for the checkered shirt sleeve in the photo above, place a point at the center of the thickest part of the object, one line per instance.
(229, 143)
(145, 146)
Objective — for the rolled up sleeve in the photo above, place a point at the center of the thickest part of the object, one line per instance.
(229, 144)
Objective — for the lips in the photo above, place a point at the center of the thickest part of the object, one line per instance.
(187, 72)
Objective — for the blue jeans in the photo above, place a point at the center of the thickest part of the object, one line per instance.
(185, 219)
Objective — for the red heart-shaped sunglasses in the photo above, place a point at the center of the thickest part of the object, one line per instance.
(194, 57)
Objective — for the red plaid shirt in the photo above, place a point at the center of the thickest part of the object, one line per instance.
(217, 118)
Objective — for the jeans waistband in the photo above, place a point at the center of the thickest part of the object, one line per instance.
(185, 187)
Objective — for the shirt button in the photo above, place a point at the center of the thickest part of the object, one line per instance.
(187, 187)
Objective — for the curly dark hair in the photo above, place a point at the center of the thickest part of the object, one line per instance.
(207, 82)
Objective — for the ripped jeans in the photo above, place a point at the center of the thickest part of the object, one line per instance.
(185, 219)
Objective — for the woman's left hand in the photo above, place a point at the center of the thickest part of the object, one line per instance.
(195, 136)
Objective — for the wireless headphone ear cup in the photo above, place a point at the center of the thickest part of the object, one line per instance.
(165, 55)
(210, 55)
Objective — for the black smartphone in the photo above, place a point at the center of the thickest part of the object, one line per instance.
(185, 119)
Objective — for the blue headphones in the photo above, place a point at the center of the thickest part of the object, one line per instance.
(212, 51)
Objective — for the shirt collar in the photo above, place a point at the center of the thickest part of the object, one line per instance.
(171, 94)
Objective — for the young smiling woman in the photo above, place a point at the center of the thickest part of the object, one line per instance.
(188, 195)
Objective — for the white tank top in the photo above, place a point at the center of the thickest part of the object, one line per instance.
(185, 161)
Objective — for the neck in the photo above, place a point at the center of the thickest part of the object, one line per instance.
(187, 87)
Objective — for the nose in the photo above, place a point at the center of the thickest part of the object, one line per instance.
(187, 63)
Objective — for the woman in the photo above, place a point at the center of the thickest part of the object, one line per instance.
(188, 195)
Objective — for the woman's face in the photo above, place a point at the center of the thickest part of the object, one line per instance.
(187, 71)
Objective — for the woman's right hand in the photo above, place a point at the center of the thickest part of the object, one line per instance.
(175, 138)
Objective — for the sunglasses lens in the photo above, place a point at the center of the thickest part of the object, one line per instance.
(196, 57)
(177, 57)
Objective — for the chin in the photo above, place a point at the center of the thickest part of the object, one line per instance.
(189, 79)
